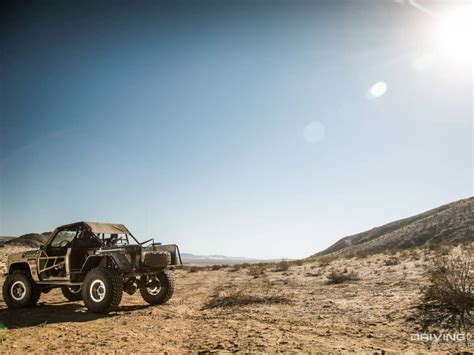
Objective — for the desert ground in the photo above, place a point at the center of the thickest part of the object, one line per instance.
(283, 307)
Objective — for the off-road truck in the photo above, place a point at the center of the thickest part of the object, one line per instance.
(94, 262)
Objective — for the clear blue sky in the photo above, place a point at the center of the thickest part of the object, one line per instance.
(250, 128)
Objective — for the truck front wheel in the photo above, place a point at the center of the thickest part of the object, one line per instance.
(161, 291)
(20, 290)
(102, 290)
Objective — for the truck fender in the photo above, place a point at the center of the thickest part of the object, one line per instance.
(22, 266)
(91, 262)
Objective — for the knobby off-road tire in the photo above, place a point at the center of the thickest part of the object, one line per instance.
(72, 293)
(102, 290)
(20, 290)
(163, 292)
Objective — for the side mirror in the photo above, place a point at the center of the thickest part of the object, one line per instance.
(41, 247)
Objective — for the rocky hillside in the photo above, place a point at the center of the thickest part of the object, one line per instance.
(31, 240)
(453, 222)
(4, 239)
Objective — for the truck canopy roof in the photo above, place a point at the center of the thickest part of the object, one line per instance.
(98, 227)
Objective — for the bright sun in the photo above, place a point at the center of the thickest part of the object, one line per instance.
(453, 35)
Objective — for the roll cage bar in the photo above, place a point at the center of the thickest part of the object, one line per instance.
(86, 226)
(101, 240)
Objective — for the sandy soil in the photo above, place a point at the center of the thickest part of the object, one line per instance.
(371, 315)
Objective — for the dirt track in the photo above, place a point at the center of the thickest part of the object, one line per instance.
(372, 314)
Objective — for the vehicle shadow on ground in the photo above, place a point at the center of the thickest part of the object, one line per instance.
(51, 313)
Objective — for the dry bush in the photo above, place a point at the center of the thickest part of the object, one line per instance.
(350, 256)
(414, 254)
(393, 260)
(363, 254)
(297, 262)
(217, 267)
(237, 297)
(283, 265)
(194, 269)
(448, 301)
(404, 254)
(326, 260)
(256, 271)
(440, 249)
(338, 277)
(235, 267)
(469, 248)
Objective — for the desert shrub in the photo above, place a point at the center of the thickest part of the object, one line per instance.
(283, 265)
(440, 249)
(217, 267)
(256, 272)
(338, 277)
(194, 269)
(393, 260)
(404, 254)
(414, 254)
(235, 267)
(326, 260)
(237, 297)
(469, 247)
(364, 254)
(445, 249)
(297, 262)
(448, 300)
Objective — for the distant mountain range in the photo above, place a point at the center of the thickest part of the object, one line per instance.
(216, 258)
(34, 240)
(453, 222)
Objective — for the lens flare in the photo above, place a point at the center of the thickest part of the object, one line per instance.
(378, 89)
(452, 36)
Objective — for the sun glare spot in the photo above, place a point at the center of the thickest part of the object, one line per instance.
(452, 35)
(314, 132)
(378, 89)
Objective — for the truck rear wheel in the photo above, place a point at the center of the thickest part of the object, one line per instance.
(162, 292)
(20, 290)
(72, 293)
(102, 290)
